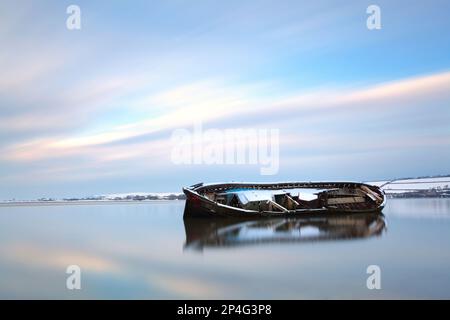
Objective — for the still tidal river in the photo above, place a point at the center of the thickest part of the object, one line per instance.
(147, 251)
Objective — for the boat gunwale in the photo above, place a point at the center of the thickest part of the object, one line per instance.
(200, 187)
(272, 185)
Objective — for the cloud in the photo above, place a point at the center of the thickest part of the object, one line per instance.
(206, 102)
(408, 89)
(306, 120)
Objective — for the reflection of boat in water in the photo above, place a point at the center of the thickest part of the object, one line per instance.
(282, 199)
(228, 232)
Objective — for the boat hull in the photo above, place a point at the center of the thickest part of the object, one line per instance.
(198, 205)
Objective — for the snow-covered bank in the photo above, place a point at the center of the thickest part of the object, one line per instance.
(416, 187)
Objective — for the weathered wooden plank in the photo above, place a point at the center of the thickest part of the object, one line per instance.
(345, 200)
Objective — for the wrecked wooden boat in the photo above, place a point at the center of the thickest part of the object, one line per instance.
(281, 199)
(236, 232)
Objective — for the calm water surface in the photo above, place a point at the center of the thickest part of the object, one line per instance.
(147, 250)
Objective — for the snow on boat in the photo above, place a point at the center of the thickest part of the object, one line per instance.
(281, 199)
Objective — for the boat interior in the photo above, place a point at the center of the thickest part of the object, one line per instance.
(346, 197)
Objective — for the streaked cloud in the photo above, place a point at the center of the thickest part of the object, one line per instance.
(188, 105)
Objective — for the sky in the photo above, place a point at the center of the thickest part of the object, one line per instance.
(94, 110)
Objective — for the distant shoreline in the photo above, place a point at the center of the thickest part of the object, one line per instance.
(79, 202)
(143, 202)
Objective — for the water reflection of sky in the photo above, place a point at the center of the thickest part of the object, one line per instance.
(137, 251)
